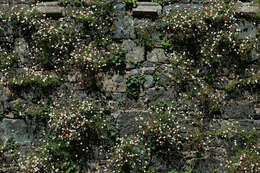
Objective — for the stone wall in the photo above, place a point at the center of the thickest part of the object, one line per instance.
(151, 66)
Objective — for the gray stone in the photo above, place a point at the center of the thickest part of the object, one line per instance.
(50, 9)
(6, 29)
(130, 65)
(238, 110)
(134, 72)
(22, 48)
(112, 83)
(123, 28)
(4, 6)
(148, 70)
(247, 8)
(257, 111)
(164, 74)
(126, 121)
(148, 64)
(135, 54)
(246, 29)
(128, 45)
(17, 129)
(144, 9)
(157, 55)
(257, 124)
(149, 82)
(160, 94)
(246, 123)
(119, 9)
(180, 7)
(5, 97)
(200, 1)
(23, 1)
(117, 96)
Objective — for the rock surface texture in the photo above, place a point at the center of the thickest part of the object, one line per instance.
(153, 70)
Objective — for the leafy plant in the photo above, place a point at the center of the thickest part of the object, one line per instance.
(54, 41)
(144, 37)
(246, 160)
(161, 2)
(28, 79)
(8, 60)
(10, 151)
(130, 3)
(130, 156)
(133, 85)
(75, 129)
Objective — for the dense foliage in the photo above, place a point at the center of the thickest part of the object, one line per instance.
(211, 66)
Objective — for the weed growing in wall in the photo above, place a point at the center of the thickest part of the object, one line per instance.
(94, 58)
(76, 128)
(54, 42)
(36, 111)
(246, 160)
(133, 85)
(202, 43)
(175, 134)
(8, 60)
(26, 19)
(9, 151)
(30, 78)
(130, 156)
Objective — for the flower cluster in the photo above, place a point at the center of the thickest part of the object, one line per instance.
(76, 122)
(130, 156)
(7, 60)
(247, 160)
(202, 43)
(75, 129)
(54, 41)
(27, 18)
(49, 157)
(29, 77)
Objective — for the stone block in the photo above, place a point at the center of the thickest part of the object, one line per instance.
(50, 9)
(127, 121)
(157, 55)
(123, 28)
(147, 9)
(4, 7)
(246, 123)
(246, 9)
(119, 9)
(257, 124)
(148, 70)
(246, 29)
(6, 29)
(17, 129)
(23, 1)
(113, 83)
(238, 110)
(149, 82)
(161, 94)
(135, 53)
